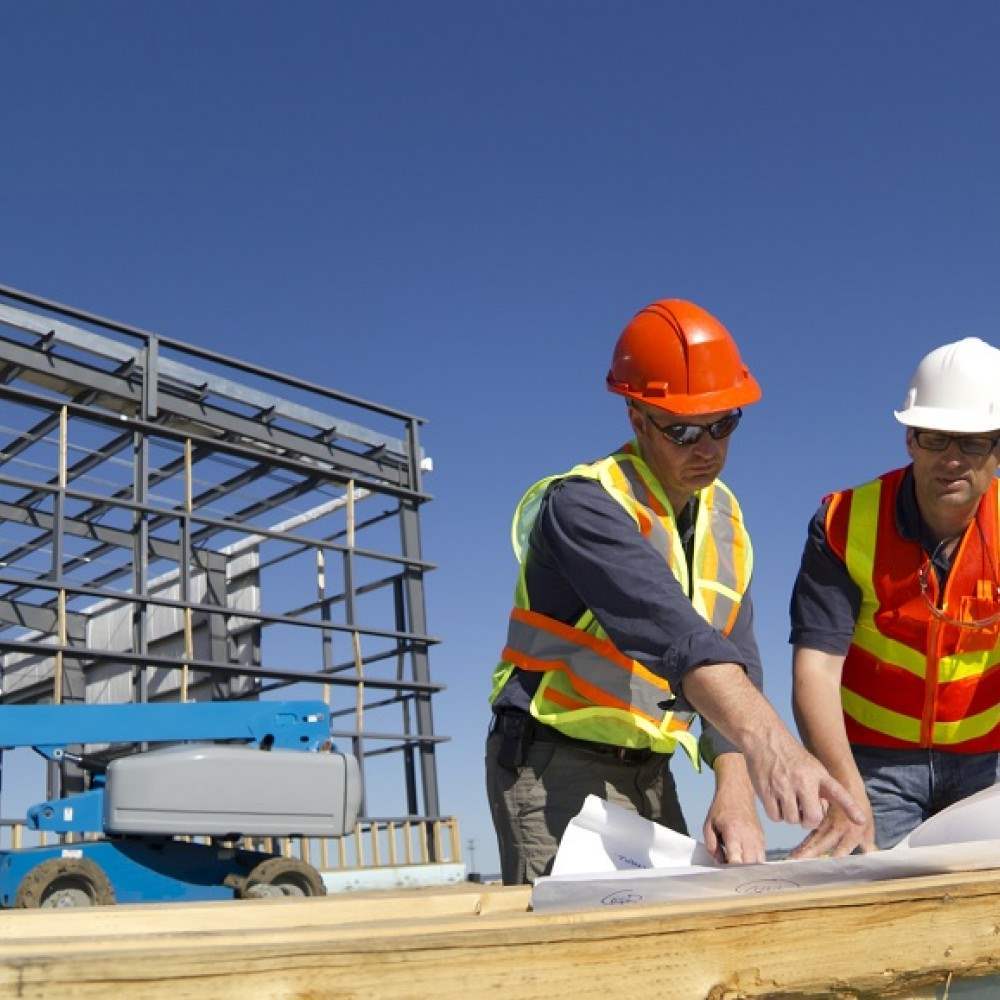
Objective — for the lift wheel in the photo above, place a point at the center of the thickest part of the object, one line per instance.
(65, 882)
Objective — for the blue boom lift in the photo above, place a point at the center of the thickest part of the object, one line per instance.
(274, 774)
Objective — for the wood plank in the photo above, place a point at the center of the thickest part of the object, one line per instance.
(253, 914)
(894, 939)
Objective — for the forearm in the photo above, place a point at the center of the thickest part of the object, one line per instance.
(791, 783)
(723, 694)
(731, 775)
(732, 828)
(820, 718)
(818, 712)
(713, 744)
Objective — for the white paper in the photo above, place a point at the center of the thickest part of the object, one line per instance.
(604, 837)
(610, 856)
(974, 818)
(657, 885)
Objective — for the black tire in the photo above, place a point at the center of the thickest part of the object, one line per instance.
(65, 882)
(289, 876)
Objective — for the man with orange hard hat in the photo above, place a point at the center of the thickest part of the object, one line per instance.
(632, 611)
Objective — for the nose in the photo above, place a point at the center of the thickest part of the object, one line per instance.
(953, 453)
(706, 447)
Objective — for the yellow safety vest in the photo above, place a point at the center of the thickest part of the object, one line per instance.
(589, 689)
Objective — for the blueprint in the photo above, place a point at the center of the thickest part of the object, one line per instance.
(609, 856)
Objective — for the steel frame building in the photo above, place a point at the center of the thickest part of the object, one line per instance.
(176, 524)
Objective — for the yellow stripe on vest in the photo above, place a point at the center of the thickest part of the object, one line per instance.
(971, 728)
(873, 716)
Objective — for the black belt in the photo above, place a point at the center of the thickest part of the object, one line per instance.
(535, 731)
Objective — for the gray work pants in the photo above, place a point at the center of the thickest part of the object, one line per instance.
(532, 804)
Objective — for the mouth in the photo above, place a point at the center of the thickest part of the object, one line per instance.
(951, 482)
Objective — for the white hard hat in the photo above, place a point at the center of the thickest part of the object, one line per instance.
(955, 388)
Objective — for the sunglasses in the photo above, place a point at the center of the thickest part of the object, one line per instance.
(968, 444)
(687, 434)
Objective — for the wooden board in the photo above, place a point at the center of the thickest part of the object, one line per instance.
(892, 939)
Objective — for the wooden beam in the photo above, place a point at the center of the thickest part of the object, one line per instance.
(893, 939)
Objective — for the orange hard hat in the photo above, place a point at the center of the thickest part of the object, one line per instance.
(675, 356)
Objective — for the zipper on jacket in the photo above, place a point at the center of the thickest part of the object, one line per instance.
(942, 600)
(930, 683)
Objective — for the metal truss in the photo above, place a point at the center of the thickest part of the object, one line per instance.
(176, 524)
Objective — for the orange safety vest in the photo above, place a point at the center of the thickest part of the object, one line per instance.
(911, 678)
(589, 689)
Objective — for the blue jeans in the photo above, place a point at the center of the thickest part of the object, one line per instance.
(905, 787)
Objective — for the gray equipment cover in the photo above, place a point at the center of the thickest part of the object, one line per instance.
(222, 789)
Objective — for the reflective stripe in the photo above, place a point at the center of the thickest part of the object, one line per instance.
(722, 561)
(961, 666)
(565, 701)
(673, 722)
(883, 570)
(532, 626)
(610, 725)
(889, 650)
(536, 642)
(666, 541)
(882, 720)
(720, 589)
(862, 529)
(647, 486)
(589, 689)
(969, 728)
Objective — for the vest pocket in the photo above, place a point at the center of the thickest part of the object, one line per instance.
(972, 639)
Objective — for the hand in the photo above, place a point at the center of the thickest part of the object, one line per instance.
(837, 836)
(792, 784)
(732, 831)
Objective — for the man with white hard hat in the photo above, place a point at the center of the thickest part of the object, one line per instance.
(896, 615)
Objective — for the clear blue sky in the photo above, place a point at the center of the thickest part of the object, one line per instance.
(455, 207)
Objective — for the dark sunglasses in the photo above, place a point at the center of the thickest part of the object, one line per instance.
(685, 434)
(967, 444)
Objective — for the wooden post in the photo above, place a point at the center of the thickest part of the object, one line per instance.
(324, 613)
(408, 841)
(185, 571)
(61, 630)
(359, 847)
(359, 666)
(57, 680)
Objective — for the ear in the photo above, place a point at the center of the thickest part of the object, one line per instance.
(635, 419)
(909, 441)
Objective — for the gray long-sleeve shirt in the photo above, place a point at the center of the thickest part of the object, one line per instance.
(584, 552)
